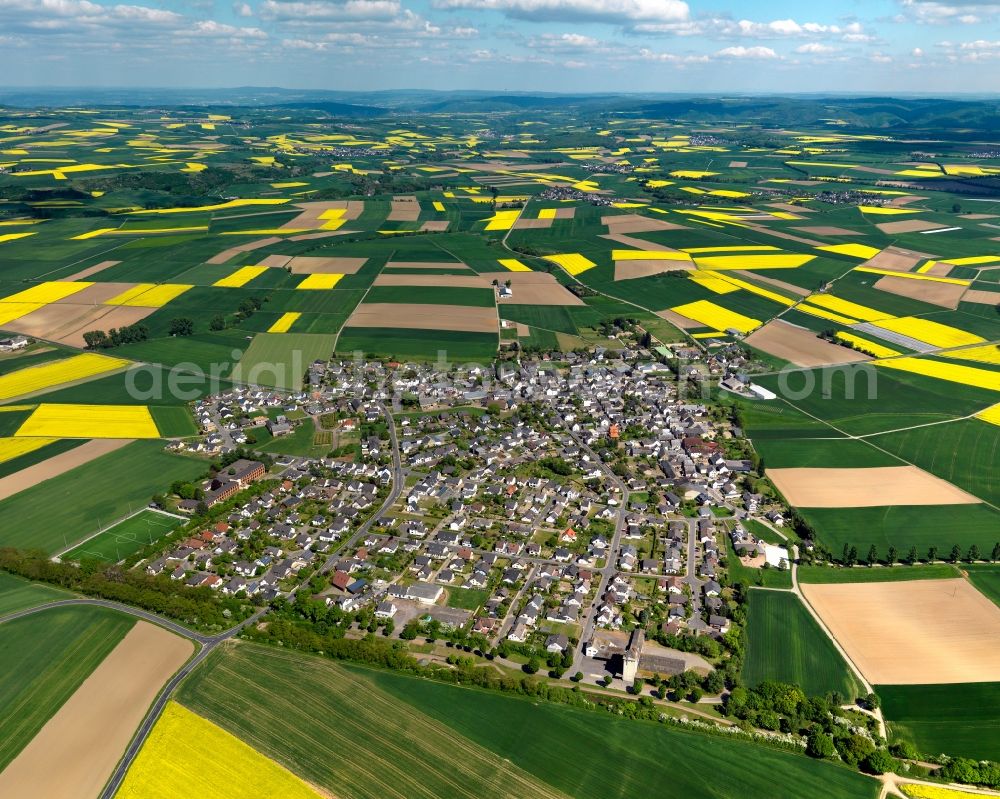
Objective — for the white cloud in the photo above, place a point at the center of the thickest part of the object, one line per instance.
(312, 11)
(932, 12)
(621, 11)
(816, 48)
(567, 39)
(242, 10)
(757, 53)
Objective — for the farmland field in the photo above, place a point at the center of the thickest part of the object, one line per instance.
(959, 719)
(419, 721)
(821, 574)
(44, 658)
(282, 359)
(125, 538)
(786, 644)
(986, 578)
(17, 594)
(59, 512)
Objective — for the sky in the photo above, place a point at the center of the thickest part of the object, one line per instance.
(855, 46)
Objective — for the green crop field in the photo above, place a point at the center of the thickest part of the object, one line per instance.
(418, 738)
(986, 578)
(863, 574)
(125, 538)
(964, 453)
(44, 657)
(958, 719)
(785, 643)
(17, 594)
(280, 360)
(830, 453)
(904, 526)
(418, 344)
(38, 455)
(56, 513)
(433, 295)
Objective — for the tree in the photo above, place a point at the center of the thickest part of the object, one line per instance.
(533, 665)
(879, 762)
(996, 552)
(217, 323)
(846, 555)
(956, 553)
(973, 555)
(820, 745)
(578, 677)
(891, 556)
(872, 555)
(932, 553)
(852, 556)
(181, 326)
(911, 557)
(872, 702)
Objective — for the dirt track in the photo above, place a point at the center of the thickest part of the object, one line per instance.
(74, 754)
(913, 632)
(866, 488)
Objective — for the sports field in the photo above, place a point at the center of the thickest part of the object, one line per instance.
(56, 513)
(44, 658)
(959, 719)
(784, 643)
(419, 738)
(125, 538)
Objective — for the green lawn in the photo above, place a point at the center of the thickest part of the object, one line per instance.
(118, 542)
(75, 505)
(959, 719)
(298, 442)
(173, 421)
(467, 598)
(986, 577)
(17, 594)
(425, 740)
(44, 658)
(785, 643)
(769, 578)
(862, 574)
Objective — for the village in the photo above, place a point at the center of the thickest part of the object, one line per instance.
(577, 511)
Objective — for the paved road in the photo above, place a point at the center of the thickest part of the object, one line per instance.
(206, 644)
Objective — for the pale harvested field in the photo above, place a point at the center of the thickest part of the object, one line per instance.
(791, 288)
(90, 270)
(424, 317)
(312, 213)
(630, 270)
(403, 208)
(979, 216)
(425, 265)
(946, 295)
(435, 225)
(677, 320)
(896, 259)
(791, 208)
(800, 346)
(461, 281)
(249, 246)
(66, 324)
(532, 224)
(320, 234)
(534, 288)
(566, 213)
(908, 226)
(913, 632)
(737, 164)
(95, 294)
(523, 331)
(826, 230)
(58, 464)
(866, 487)
(982, 297)
(636, 223)
(74, 754)
(939, 269)
(276, 261)
(307, 265)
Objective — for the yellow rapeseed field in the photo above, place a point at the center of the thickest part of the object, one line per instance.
(186, 753)
(649, 255)
(514, 265)
(753, 261)
(916, 791)
(438, 206)
(149, 295)
(51, 420)
(713, 282)
(952, 372)
(848, 308)
(572, 262)
(43, 293)
(320, 281)
(866, 346)
(9, 311)
(284, 323)
(217, 207)
(11, 448)
(855, 250)
(15, 236)
(991, 414)
(933, 333)
(988, 353)
(823, 313)
(547, 213)
(767, 294)
(716, 317)
(47, 375)
(502, 220)
(240, 277)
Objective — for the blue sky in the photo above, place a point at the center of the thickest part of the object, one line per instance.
(534, 45)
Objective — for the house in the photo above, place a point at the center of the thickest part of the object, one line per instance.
(424, 593)
(10, 344)
(556, 643)
(385, 610)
